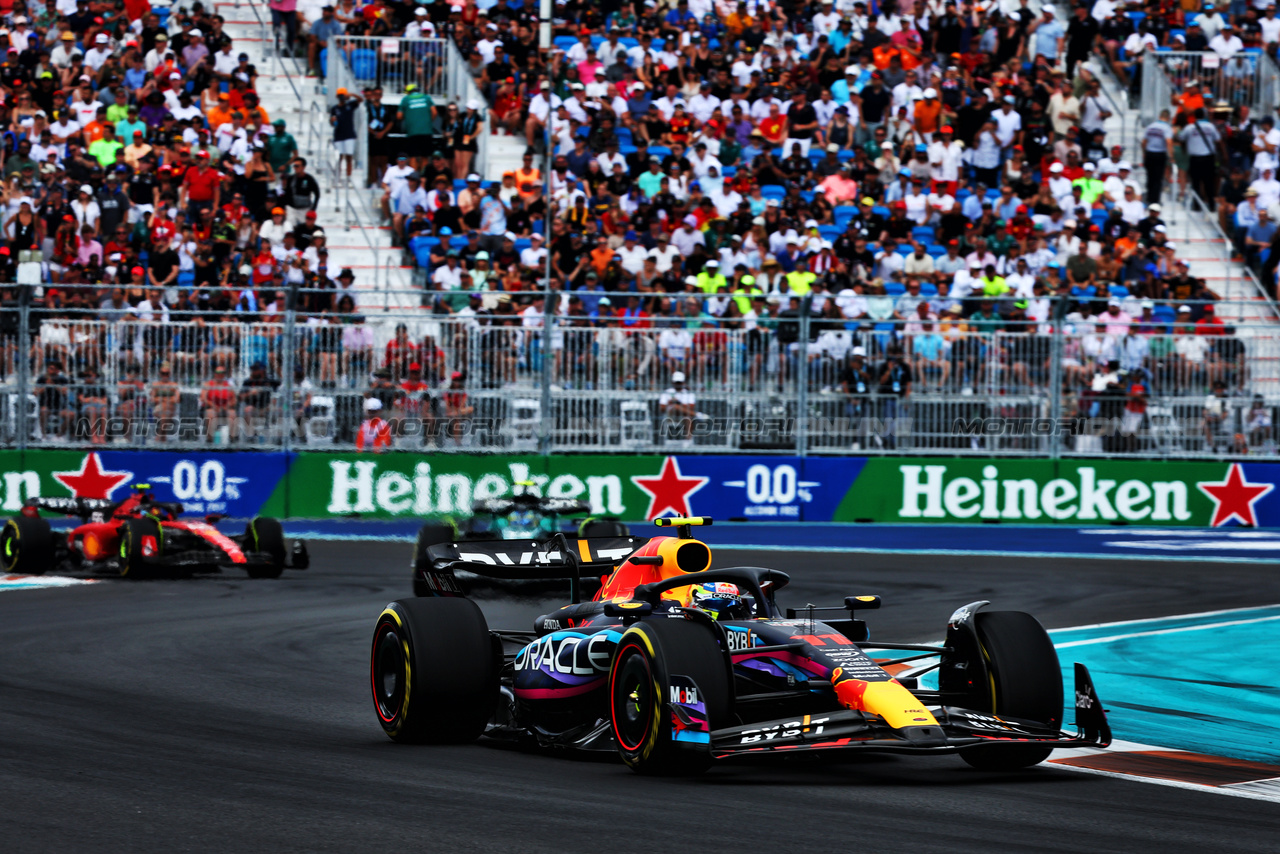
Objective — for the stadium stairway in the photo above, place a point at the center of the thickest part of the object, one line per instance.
(356, 239)
(1208, 254)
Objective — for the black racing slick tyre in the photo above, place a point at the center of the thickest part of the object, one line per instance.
(26, 546)
(430, 534)
(603, 528)
(434, 671)
(1026, 682)
(266, 535)
(668, 690)
(141, 541)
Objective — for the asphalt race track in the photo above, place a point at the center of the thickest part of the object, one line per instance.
(227, 714)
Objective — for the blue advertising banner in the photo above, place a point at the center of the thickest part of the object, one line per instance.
(771, 489)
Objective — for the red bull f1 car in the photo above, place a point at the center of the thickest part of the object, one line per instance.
(140, 537)
(676, 666)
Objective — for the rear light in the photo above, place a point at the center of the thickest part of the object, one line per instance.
(91, 546)
(31, 512)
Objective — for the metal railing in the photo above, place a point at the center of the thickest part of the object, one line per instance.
(1247, 79)
(433, 65)
(486, 375)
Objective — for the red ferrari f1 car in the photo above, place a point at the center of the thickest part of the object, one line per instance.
(138, 537)
(675, 665)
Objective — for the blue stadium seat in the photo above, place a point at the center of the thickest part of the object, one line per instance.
(904, 250)
(658, 44)
(624, 137)
(773, 191)
(935, 251)
(186, 278)
(1136, 17)
(1164, 313)
(523, 243)
(727, 172)
(1119, 291)
(628, 42)
(660, 150)
(565, 42)
(963, 193)
(807, 195)
(364, 64)
(845, 211)
(922, 233)
(928, 289)
(881, 210)
(893, 289)
(830, 232)
(627, 150)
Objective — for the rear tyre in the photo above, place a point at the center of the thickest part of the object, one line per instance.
(1026, 682)
(433, 671)
(26, 546)
(266, 535)
(603, 528)
(655, 736)
(141, 541)
(430, 534)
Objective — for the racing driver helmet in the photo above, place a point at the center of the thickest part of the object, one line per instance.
(721, 600)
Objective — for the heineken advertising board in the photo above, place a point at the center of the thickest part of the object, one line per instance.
(917, 490)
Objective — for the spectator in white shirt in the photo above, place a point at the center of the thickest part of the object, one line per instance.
(1226, 44)
(1270, 25)
(687, 237)
(631, 254)
(1132, 210)
(1268, 189)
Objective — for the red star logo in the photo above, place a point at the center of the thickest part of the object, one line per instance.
(669, 490)
(92, 481)
(1234, 497)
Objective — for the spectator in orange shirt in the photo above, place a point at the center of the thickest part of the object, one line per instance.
(221, 114)
(928, 112)
(738, 21)
(93, 131)
(1189, 101)
(601, 255)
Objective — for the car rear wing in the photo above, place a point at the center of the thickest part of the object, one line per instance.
(564, 556)
(82, 507)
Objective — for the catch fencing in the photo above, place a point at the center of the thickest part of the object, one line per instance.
(485, 375)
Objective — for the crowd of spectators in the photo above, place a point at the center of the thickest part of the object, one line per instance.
(932, 183)
(155, 217)
(928, 184)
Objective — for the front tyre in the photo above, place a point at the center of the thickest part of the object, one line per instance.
(668, 689)
(1026, 682)
(433, 671)
(141, 541)
(266, 535)
(26, 546)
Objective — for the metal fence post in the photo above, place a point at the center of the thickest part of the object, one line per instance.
(802, 379)
(286, 362)
(550, 298)
(1055, 382)
(24, 362)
